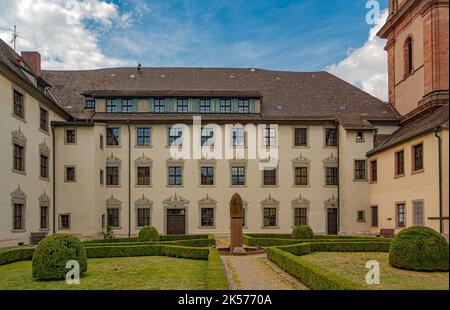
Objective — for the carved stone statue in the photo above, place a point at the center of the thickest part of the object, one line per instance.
(236, 221)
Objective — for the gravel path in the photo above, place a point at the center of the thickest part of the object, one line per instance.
(256, 272)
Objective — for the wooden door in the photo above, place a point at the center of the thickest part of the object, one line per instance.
(332, 221)
(176, 222)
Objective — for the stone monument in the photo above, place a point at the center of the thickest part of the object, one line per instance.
(236, 221)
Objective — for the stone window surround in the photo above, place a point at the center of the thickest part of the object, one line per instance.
(59, 221)
(277, 179)
(185, 135)
(65, 135)
(113, 161)
(413, 158)
(65, 173)
(114, 203)
(238, 163)
(325, 137)
(262, 129)
(17, 137)
(44, 201)
(119, 145)
(19, 197)
(413, 204)
(270, 203)
(176, 202)
(142, 203)
(47, 132)
(406, 72)
(301, 162)
(366, 177)
(330, 162)
(136, 138)
(45, 151)
(396, 151)
(23, 93)
(308, 139)
(207, 202)
(207, 163)
(300, 202)
(397, 203)
(363, 220)
(171, 162)
(143, 161)
(373, 160)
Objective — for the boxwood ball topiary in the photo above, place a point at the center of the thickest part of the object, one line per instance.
(52, 254)
(148, 233)
(302, 232)
(419, 248)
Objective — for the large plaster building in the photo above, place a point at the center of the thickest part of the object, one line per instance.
(124, 147)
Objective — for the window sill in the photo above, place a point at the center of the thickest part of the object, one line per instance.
(143, 146)
(301, 147)
(19, 171)
(116, 228)
(19, 118)
(17, 231)
(113, 146)
(417, 171)
(44, 229)
(330, 186)
(113, 186)
(65, 229)
(361, 221)
(399, 176)
(207, 186)
(270, 227)
(207, 227)
(330, 147)
(72, 182)
(301, 186)
(374, 182)
(175, 186)
(45, 132)
(270, 186)
(360, 180)
(238, 186)
(44, 179)
(142, 186)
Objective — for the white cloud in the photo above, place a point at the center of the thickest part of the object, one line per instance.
(64, 32)
(366, 67)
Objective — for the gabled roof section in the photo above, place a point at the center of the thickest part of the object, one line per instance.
(424, 124)
(285, 95)
(17, 70)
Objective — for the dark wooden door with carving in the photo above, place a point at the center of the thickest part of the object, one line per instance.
(332, 221)
(176, 222)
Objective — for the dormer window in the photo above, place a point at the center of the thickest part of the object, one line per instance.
(159, 105)
(205, 106)
(182, 105)
(243, 106)
(90, 103)
(225, 106)
(111, 106)
(127, 105)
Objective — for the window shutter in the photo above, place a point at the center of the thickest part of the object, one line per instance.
(135, 105)
(118, 104)
(234, 105)
(151, 105)
(252, 105)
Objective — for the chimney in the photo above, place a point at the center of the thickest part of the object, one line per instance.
(33, 60)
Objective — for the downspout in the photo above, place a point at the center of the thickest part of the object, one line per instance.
(129, 180)
(339, 177)
(441, 222)
(54, 180)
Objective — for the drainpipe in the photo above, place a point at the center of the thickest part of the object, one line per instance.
(129, 180)
(54, 180)
(441, 222)
(339, 177)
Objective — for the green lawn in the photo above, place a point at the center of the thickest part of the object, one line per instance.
(130, 273)
(352, 267)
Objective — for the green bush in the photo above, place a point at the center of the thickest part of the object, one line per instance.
(216, 278)
(311, 275)
(298, 250)
(147, 250)
(148, 233)
(52, 254)
(8, 256)
(420, 249)
(302, 232)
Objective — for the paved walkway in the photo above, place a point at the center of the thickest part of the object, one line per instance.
(256, 272)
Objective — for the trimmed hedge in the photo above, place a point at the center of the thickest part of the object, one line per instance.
(311, 275)
(359, 246)
(148, 233)
(188, 242)
(136, 239)
(147, 250)
(302, 232)
(289, 236)
(216, 278)
(266, 242)
(52, 254)
(15, 255)
(420, 249)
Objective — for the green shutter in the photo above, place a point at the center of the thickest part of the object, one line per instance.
(167, 105)
(234, 105)
(119, 105)
(135, 105)
(252, 105)
(151, 106)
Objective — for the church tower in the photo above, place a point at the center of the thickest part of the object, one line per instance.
(417, 46)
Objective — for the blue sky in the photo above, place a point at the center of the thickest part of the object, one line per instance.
(305, 35)
(301, 35)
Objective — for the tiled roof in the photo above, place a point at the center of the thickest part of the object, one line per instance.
(285, 95)
(423, 124)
